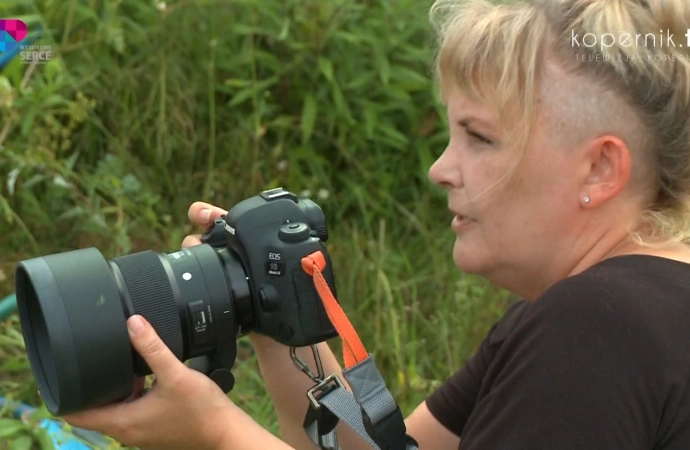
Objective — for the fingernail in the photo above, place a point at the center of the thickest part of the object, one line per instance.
(135, 325)
(205, 214)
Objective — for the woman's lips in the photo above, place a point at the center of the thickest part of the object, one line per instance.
(460, 222)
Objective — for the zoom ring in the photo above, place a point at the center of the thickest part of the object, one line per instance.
(152, 296)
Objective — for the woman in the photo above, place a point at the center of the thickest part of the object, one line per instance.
(568, 176)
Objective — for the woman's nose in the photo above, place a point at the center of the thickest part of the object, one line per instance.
(444, 172)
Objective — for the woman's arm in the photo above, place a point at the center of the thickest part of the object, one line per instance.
(288, 386)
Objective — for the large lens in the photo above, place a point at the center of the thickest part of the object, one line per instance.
(73, 309)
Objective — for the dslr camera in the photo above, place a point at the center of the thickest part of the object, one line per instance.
(246, 276)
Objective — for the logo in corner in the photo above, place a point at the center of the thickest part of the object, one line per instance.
(12, 32)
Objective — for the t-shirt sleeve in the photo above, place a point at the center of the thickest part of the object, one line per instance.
(570, 376)
(452, 403)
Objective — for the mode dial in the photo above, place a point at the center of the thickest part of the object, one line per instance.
(294, 232)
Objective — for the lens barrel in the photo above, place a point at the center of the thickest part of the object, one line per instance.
(73, 309)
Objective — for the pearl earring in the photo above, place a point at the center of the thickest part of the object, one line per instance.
(586, 199)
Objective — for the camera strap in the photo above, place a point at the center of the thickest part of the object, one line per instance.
(369, 409)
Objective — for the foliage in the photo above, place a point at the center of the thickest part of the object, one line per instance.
(149, 106)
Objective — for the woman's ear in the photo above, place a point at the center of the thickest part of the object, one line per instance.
(610, 164)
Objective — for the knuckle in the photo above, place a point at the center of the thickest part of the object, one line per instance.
(154, 348)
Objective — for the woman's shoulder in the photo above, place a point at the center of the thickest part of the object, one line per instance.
(625, 282)
(638, 300)
(601, 359)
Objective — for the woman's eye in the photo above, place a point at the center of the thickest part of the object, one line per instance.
(478, 137)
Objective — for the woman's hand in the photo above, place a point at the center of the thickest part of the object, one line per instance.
(202, 215)
(183, 410)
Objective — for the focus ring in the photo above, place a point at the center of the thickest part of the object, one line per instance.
(152, 296)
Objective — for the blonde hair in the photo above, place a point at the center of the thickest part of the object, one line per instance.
(496, 53)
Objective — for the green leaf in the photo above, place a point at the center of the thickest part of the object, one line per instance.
(21, 443)
(383, 65)
(361, 80)
(10, 427)
(12, 179)
(410, 79)
(86, 12)
(397, 139)
(399, 95)
(308, 117)
(74, 212)
(5, 84)
(349, 37)
(326, 68)
(371, 119)
(31, 20)
(71, 160)
(238, 83)
(53, 69)
(6, 340)
(284, 31)
(283, 121)
(340, 103)
(115, 35)
(44, 439)
(243, 30)
(54, 100)
(426, 159)
(28, 121)
(10, 3)
(269, 60)
(15, 364)
(17, 336)
(248, 93)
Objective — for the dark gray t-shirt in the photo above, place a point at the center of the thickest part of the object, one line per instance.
(600, 361)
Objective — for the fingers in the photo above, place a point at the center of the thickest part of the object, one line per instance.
(191, 240)
(203, 214)
(97, 419)
(152, 349)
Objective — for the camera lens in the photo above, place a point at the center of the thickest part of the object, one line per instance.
(73, 308)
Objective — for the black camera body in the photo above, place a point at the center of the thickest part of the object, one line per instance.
(246, 276)
(271, 233)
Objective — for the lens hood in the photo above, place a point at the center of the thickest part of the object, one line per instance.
(74, 328)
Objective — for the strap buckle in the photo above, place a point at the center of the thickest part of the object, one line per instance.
(320, 422)
(322, 387)
(322, 382)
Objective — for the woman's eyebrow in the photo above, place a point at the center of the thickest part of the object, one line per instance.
(473, 120)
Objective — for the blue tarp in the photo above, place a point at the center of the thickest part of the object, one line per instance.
(62, 437)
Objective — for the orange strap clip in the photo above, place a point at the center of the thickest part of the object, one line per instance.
(353, 349)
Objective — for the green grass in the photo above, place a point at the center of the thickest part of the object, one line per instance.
(143, 111)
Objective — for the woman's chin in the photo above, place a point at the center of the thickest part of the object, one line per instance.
(467, 259)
